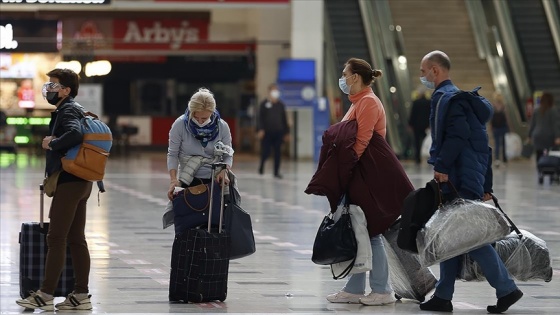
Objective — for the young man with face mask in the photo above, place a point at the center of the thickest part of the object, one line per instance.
(68, 209)
(272, 128)
(460, 154)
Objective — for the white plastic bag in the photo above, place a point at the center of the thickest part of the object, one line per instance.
(457, 228)
(514, 145)
(364, 255)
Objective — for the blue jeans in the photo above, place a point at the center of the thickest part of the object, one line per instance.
(492, 266)
(378, 276)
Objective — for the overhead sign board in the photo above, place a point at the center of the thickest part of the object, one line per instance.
(28, 35)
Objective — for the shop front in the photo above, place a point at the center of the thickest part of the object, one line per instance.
(156, 65)
(28, 50)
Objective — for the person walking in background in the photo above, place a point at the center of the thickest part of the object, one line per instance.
(419, 121)
(272, 128)
(375, 180)
(461, 155)
(544, 131)
(68, 208)
(500, 127)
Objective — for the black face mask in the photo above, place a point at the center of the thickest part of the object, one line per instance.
(53, 98)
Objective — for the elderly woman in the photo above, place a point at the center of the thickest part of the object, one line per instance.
(196, 140)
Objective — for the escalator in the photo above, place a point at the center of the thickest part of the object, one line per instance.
(348, 34)
(536, 44)
(353, 29)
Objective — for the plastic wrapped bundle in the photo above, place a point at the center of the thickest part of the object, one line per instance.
(459, 227)
(408, 278)
(526, 258)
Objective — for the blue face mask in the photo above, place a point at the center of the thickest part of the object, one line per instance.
(345, 88)
(428, 84)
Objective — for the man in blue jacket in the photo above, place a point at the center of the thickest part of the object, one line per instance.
(460, 155)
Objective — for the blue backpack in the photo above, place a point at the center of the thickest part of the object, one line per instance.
(88, 159)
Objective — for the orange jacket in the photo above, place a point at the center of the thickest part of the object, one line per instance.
(368, 111)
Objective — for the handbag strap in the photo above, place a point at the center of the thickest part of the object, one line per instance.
(440, 193)
(186, 192)
(345, 272)
(513, 226)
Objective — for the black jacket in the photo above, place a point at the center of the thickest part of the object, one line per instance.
(272, 117)
(419, 118)
(65, 121)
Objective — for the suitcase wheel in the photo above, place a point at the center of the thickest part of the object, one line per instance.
(398, 297)
(541, 179)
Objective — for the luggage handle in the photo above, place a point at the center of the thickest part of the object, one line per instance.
(507, 217)
(215, 166)
(41, 206)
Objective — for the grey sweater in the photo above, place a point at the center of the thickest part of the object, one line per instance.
(183, 143)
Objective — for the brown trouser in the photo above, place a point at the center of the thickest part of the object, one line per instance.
(67, 225)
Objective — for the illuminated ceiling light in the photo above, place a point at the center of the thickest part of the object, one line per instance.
(73, 65)
(401, 59)
(98, 68)
(393, 89)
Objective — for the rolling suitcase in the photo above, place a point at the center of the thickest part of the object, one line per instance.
(33, 255)
(549, 164)
(200, 260)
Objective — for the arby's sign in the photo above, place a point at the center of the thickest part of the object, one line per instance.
(162, 34)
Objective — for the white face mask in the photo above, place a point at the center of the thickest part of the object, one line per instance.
(206, 122)
(275, 94)
(428, 84)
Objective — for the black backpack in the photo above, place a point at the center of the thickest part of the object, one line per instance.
(418, 208)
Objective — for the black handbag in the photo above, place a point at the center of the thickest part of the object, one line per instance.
(190, 207)
(240, 228)
(418, 207)
(335, 241)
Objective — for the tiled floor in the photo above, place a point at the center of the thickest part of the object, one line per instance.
(131, 252)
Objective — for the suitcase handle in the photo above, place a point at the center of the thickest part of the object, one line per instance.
(215, 166)
(41, 206)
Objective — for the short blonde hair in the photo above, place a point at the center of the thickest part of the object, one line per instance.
(202, 100)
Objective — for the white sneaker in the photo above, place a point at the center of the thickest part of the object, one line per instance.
(378, 299)
(344, 297)
(75, 302)
(37, 300)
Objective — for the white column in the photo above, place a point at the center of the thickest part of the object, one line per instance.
(272, 28)
(307, 43)
(307, 34)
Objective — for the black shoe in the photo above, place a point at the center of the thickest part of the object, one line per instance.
(261, 170)
(505, 302)
(436, 304)
(278, 176)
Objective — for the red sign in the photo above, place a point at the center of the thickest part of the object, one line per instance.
(165, 34)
